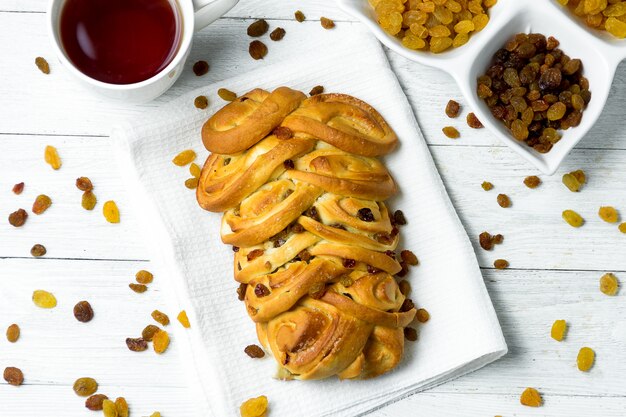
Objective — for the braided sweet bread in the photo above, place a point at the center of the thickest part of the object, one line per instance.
(303, 203)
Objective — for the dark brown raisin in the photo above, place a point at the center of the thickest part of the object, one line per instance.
(257, 50)
(409, 257)
(288, 164)
(18, 188)
(255, 253)
(13, 376)
(241, 291)
(83, 311)
(297, 228)
(200, 68)
(18, 218)
(305, 255)
(473, 122)
(258, 28)
(201, 102)
(38, 250)
(235, 248)
(349, 263)
(485, 241)
(84, 184)
(94, 403)
(318, 89)
(282, 133)
(452, 109)
(277, 34)
(410, 334)
(299, 16)
(407, 305)
(365, 214)
(254, 351)
(390, 254)
(261, 290)
(136, 345)
(405, 287)
(312, 213)
(398, 218)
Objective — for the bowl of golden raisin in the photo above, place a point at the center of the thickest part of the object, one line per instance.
(537, 73)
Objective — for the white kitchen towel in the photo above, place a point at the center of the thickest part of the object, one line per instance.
(463, 333)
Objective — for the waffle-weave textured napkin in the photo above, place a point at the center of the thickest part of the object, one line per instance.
(463, 333)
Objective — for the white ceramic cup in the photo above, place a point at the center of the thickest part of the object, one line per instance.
(194, 15)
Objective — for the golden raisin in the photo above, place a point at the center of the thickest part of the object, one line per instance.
(531, 398)
(559, 327)
(277, 34)
(138, 288)
(451, 132)
(257, 50)
(85, 387)
(18, 218)
(473, 122)
(160, 341)
(585, 359)
(501, 263)
(609, 284)
(254, 351)
(258, 28)
(144, 277)
(149, 331)
(88, 201)
(41, 204)
(503, 200)
(254, 407)
(155, 414)
(622, 227)
(94, 403)
(201, 102)
(84, 184)
(452, 109)
(44, 299)
(226, 94)
(192, 183)
(487, 186)
(532, 181)
(194, 170)
(122, 407)
(183, 319)
(422, 315)
(51, 155)
(111, 212)
(185, 157)
(572, 218)
(608, 214)
(299, 16)
(327, 23)
(160, 317)
(109, 409)
(42, 64)
(13, 376)
(13, 333)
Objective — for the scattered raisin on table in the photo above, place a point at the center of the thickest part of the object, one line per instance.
(42, 65)
(486, 240)
(409, 257)
(258, 28)
(277, 34)
(44, 299)
(600, 15)
(84, 184)
(13, 376)
(41, 204)
(94, 403)
(201, 102)
(299, 16)
(144, 277)
(138, 288)
(574, 180)
(254, 407)
(473, 122)
(160, 317)
(13, 333)
(318, 89)
(504, 201)
(487, 186)
(608, 214)
(327, 23)
(192, 183)
(83, 311)
(85, 387)
(136, 344)
(609, 284)
(160, 341)
(183, 319)
(398, 218)
(194, 170)
(501, 263)
(89, 200)
(18, 188)
(51, 156)
(572, 218)
(38, 250)
(18, 218)
(559, 327)
(532, 181)
(452, 109)
(111, 212)
(531, 398)
(149, 331)
(422, 315)
(226, 94)
(109, 409)
(622, 227)
(122, 407)
(585, 359)
(451, 132)
(410, 334)
(257, 50)
(200, 68)
(254, 351)
(184, 157)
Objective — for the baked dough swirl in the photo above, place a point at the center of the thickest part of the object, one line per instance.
(303, 201)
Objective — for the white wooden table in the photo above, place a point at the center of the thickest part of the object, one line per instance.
(554, 269)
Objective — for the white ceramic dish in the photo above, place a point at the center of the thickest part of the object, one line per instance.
(599, 52)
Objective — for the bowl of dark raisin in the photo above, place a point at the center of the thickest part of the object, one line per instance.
(535, 76)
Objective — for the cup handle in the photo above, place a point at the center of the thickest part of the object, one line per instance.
(208, 11)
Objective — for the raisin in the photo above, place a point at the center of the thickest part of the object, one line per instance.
(451, 132)
(160, 341)
(559, 327)
(585, 359)
(277, 34)
(410, 334)
(88, 201)
(398, 218)
(84, 184)
(13, 376)
(282, 133)
(609, 284)
(38, 250)
(299, 16)
(422, 315)
(327, 23)
(531, 398)
(109, 409)
(288, 164)
(261, 290)
(452, 109)
(556, 111)
(83, 311)
(122, 407)
(622, 227)
(571, 182)
(254, 407)
(144, 277)
(550, 79)
(183, 319)
(532, 181)
(85, 387)
(241, 291)
(365, 214)
(194, 170)
(608, 214)
(409, 257)
(18, 188)
(111, 212)
(257, 50)
(497, 239)
(349, 263)
(155, 414)
(160, 317)
(318, 89)
(346, 281)
(138, 288)
(258, 28)
(42, 65)
(51, 156)
(485, 240)
(572, 218)
(254, 351)
(404, 286)
(200, 68)
(487, 186)
(149, 331)
(226, 94)
(504, 201)
(136, 345)
(407, 305)
(192, 183)
(44, 299)
(18, 218)
(183, 158)
(13, 333)
(473, 122)
(41, 204)
(501, 264)
(253, 254)
(317, 290)
(201, 102)
(94, 403)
